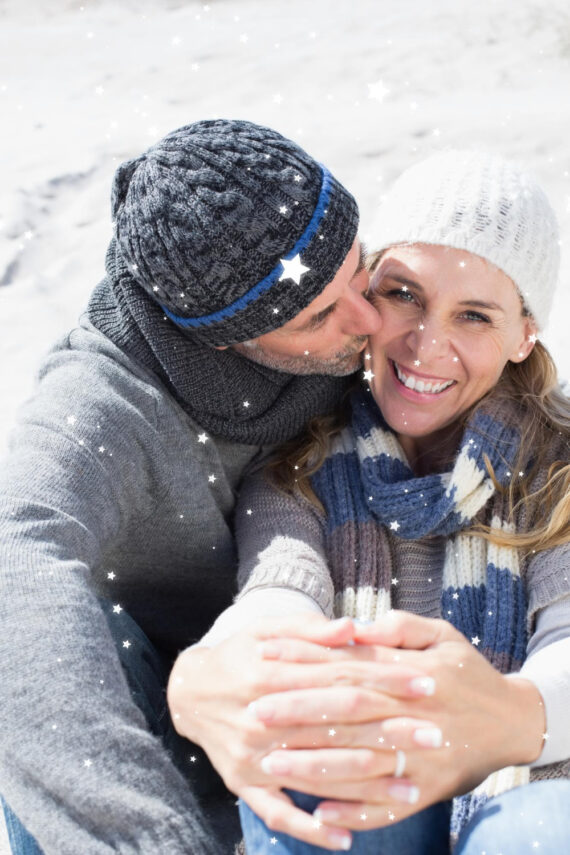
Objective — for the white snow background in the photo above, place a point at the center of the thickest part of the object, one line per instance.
(366, 86)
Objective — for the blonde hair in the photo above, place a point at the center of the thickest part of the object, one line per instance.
(545, 416)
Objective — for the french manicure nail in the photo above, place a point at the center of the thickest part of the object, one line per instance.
(326, 815)
(423, 685)
(340, 841)
(403, 793)
(428, 737)
(262, 710)
(275, 765)
(269, 650)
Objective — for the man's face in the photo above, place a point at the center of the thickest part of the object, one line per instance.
(329, 335)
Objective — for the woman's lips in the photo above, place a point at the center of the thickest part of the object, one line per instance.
(419, 386)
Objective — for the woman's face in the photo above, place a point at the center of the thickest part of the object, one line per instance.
(450, 323)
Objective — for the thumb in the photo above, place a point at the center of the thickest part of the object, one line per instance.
(405, 630)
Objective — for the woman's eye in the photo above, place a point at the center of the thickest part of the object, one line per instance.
(402, 294)
(476, 316)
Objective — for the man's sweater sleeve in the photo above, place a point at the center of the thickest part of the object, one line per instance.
(79, 766)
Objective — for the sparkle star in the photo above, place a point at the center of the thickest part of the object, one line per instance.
(110, 576)
(71, 420)
(249, 512)
(456, 596)
(332, 731)
(283, 209)
(532, 338)
(395, 525)
(193, 759)
(368, 375)
(363, 817)
(126, 644)
(298, 178)
(246, 404)
(212, 479)
(202, 437)
(475, 640)
(117, 609)
(273, 841)
(101, 449)
(417, 363)
(293, 269)
(421, 327)
(377, 91)
(394, 581)
(88, 763)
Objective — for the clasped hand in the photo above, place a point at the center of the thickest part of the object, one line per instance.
(338, 710)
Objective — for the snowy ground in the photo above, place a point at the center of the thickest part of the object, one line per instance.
(84, 86)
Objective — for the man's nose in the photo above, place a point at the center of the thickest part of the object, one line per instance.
(360, 317)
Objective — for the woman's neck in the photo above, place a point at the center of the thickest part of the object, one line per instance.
(433, 453)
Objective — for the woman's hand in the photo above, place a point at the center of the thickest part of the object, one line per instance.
(210, 691)
(486, 720)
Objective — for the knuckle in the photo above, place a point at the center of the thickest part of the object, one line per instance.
(354, 702)
(341, 675)
(366, 761)
(243, 755)
(274, 819)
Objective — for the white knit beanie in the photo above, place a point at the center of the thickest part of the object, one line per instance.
(479, 202)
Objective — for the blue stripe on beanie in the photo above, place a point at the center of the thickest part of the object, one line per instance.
(266, 283)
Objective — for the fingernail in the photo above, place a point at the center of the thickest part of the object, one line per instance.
(423, 685)
(269, 650)
(340, 841)
(275, 765)
(262, 710)
(428, 737)
(326, 815)
(403, 793)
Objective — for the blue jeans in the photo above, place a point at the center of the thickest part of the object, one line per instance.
(535, 818)
(147, 673)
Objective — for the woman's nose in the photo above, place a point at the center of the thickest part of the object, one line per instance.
(429, 341)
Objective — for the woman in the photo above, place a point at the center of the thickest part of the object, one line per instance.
(443, 492)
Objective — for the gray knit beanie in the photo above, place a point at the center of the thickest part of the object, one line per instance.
(231, 228)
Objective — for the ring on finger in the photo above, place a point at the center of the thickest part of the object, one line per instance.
(400, 764)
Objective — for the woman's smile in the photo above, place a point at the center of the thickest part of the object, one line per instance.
(418, 387)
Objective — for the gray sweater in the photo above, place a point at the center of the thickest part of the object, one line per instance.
(108, 490)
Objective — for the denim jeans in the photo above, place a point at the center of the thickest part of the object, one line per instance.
(147, 673)
(535, 818)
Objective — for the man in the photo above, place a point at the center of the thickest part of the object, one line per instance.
(232, 310)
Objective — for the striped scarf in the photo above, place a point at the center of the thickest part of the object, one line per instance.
(370, 495)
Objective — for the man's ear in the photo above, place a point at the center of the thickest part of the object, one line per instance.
(526, 342)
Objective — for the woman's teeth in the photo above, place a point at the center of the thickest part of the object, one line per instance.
(426, 387)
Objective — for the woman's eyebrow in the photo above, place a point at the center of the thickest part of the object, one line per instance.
(481, 304)
(403, 280)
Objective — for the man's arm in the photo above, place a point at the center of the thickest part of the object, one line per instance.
(79, 766)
